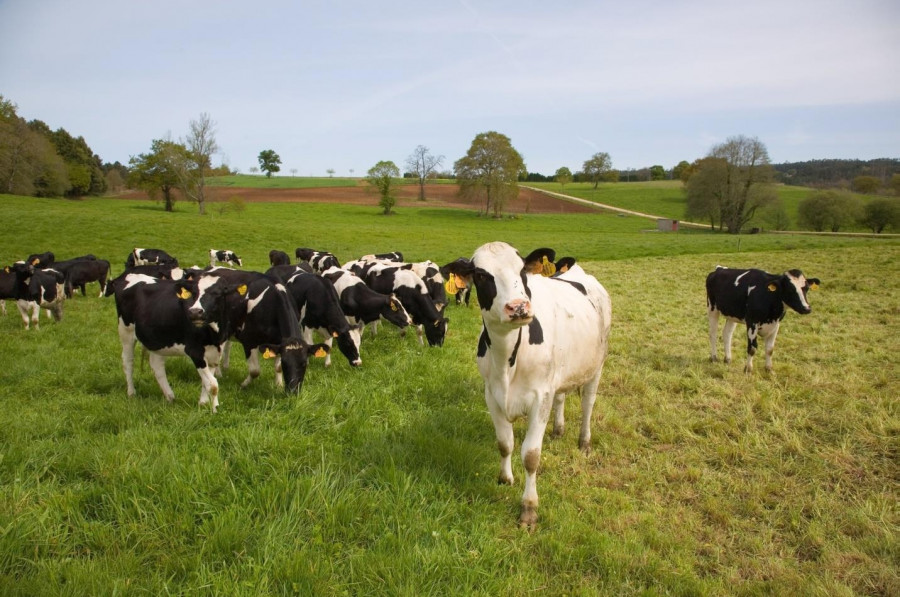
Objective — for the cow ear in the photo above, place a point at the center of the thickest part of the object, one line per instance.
(813, 283)
(270, 351)
(534, 262)
(460, 267)
(182, 292)
(319, 350)
(242, 289)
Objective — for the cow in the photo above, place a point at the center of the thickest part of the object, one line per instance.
(277, 257)
(82, 270)
(174, 318)
(319, 260)
(287, 271)
(362, 305)
(224, 256)
(541, 338)
(457, 285)
(320, 310)
(149, 257)
(7, 287)
(757, 299)
(36, 288)
(41, 260)
(161, 272)
(393, 257)
(430, 273)
(412, 292)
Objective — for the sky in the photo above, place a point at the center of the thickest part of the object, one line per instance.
(343, 85)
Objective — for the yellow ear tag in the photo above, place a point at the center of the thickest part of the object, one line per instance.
(184, 294)
(450, 285)
(813, 286)
(35, 261)
(6, 269)
(334, 334)
(268, 354)
(547, 268)
(394, 306)
(772, 287)
(242, 289)
(320, 353)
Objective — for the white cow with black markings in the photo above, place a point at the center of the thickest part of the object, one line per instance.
(542, 338)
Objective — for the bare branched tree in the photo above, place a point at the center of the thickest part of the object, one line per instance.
(201, 145)
(423, 164)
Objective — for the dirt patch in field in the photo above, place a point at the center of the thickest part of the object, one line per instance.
(436, 195)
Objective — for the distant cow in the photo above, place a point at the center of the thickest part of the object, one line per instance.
(541, 339)
(183, 318)
(7, 287)
(319, 260)
(394, 257)
(756, 298)
(224, 256)
(149, 257)
(277, 257)
(35, 289)
(82, 270)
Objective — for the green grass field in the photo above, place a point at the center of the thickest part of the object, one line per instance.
(381, 480)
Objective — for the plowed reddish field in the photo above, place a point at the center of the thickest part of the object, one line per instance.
(438, 195)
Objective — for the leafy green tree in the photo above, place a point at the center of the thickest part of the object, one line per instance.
(881, 213)
(734, 185)
(422, 164)
(828, 210)
(657, 172)
(679, 169)
(158, 172)
(29, 163)
(269, 162)
(595, 167)
(563, 176)
(867, 185)
(490, 169)
(381, 176)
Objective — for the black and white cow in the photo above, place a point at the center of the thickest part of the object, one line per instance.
(288, 271)
(82, 270)
(160, 272)
(7, 287)
(541, 338)
(319, 260)
(756, 298)
(174, 318)
(277, 257)
(412, 292)
(224, 256)
(393, 257)
(320, 311)
(430, 273)
(149, 257)
(41, 260)
(35, 289)
(362, 305)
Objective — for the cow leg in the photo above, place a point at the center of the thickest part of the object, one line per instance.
(588, 397)
(770, 332)
(209, 389)
(713, 333)
(3, 307)
(226, 358)
(531, 459)
(158, 365)
(727, 335)
(252, 367)
(279, 373)
(30, 313)
(752, 333)
(128, 339)
(505, 442)
(420, 332)
(559, 419)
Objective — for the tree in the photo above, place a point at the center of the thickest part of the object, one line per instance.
(201, 145)
(881, 213)
(598, 165)
(29, 163)
(680, 168)
(293, 172)
(158, 172)
(381, 176)
(330, 172)
(423, 164)
(867, 185)
(269, 162)
(734, 184)
(828, 210)
(657, 172)
(895, 184)
(491, 169)
(563, 176)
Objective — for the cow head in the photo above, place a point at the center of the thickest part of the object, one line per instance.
(394, 312)
(204, 299)
(348, 342)
(435, 331)
(500, 277)
(793, 286)
(294, 354)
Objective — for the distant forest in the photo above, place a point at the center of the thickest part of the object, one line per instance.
(835, 172)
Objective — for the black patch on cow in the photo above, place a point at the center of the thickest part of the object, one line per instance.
(525, 284)
(485, 288)
(535, 332)
(515, 352)
(579, 286)
(484, 342)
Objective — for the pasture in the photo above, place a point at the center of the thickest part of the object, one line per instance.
(381, 480)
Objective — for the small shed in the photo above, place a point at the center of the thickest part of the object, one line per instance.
(666, 225)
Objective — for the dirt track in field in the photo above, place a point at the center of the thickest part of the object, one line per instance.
(437, 195)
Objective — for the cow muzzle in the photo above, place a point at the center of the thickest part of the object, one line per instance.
(196, 317)
(518, 309)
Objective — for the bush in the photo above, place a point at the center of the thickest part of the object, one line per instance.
(828, 210)
(881, 213)
(867, 185)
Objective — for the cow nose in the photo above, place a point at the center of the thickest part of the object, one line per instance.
(195, 313)
(518, 309)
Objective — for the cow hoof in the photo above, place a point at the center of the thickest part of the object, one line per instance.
(558, 432)
(713, 359)
(585, 447)
(528, 518)
(501, 480)
(727, 360)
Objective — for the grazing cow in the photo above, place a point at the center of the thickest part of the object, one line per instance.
(541, 338)
(412, 292)
(224, 256)
(434, 281)
(149, 257)
(320, 311)
(393, 257)
(7, 287)
(41, 260)
(756, 298)
(319, 260)
(36, 288)
(82, 270)
(169, 318)
(361, 304)
(277, 257)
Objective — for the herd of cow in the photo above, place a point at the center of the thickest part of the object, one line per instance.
(545, 322)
